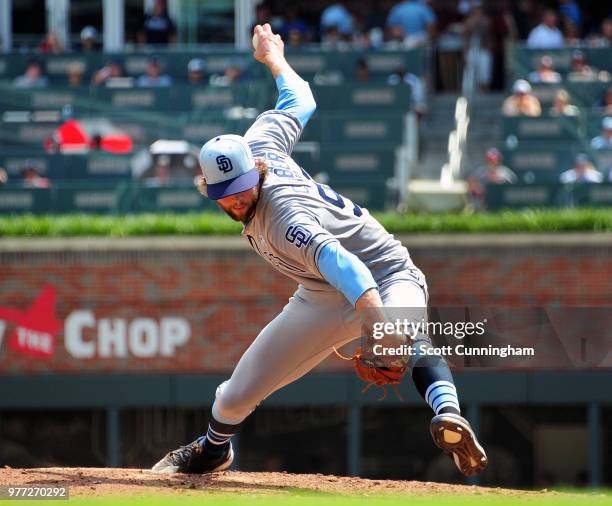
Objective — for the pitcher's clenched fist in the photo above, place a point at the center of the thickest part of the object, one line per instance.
(268, 46)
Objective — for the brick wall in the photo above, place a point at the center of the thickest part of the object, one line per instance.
(226, 294)
(560, 274)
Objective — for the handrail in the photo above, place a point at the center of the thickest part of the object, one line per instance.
(457, 138)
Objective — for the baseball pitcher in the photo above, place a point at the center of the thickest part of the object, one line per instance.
(347, 266)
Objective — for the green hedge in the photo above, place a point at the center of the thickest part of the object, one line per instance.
(210, 223)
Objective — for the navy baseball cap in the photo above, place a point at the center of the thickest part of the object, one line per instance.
(228, 166)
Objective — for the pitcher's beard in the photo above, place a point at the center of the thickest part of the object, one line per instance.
(243, 218)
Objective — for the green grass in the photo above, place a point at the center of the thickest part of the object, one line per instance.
(212, 223)
(529, 220)
(302, 498)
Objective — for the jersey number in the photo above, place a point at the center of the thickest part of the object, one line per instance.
(336, 199)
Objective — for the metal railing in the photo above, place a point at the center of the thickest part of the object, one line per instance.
(457, 139)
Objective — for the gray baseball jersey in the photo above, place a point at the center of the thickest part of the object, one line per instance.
(296, 216)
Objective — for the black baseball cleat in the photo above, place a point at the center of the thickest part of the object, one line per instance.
(454, 435)
(193, 459)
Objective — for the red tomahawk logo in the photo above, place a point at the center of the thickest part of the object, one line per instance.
(36, 327)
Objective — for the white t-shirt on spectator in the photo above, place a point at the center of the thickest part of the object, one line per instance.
(571, 176)
(544, 37)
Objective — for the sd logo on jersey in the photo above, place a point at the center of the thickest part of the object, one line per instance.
(224, 164)
(298, 235)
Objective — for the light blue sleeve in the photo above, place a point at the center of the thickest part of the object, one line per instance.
(344, 271)
(295, 97)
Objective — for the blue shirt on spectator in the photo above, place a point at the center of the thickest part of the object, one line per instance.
(572, 11)
(412, 16)
(146, 81)
(601, 143)
(337, 16)
(26, 82)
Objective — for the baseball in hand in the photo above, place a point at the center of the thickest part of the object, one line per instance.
(255, 41)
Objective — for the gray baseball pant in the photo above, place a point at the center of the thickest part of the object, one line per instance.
(302, 336)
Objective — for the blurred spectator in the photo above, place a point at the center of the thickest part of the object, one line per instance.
(546, 35)
(337, 23)
(362, 71)
(333, 40)
(478, 23)
(295, 38)
(263, 15)
(581, 71)
(604, 140)
(233, 74)
(571, 21)
(157, 27)
(504, 30)
(75, 72)
(464, 7)
(449, 57)
(582, 172)
(523, 14)
(51, 44)
(604, 105)
(570, 10)
(492, 172)
(604, 38)
(89, 39)
(33, 77)
(369, 22)
(161, 172)
(153, 78)
(562, 105)
(111, 71)
(3, 176)
(196, 71)
(417, 88)
(571, 33)
(545, 72)
(32, 179)
(412, 22)
(294, 23)
(522, 102)
(372, 39)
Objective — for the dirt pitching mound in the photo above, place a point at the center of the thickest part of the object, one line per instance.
(102, 481)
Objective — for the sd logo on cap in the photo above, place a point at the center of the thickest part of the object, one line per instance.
(228, 166)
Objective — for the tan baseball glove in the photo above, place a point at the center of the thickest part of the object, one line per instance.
(374, 373)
